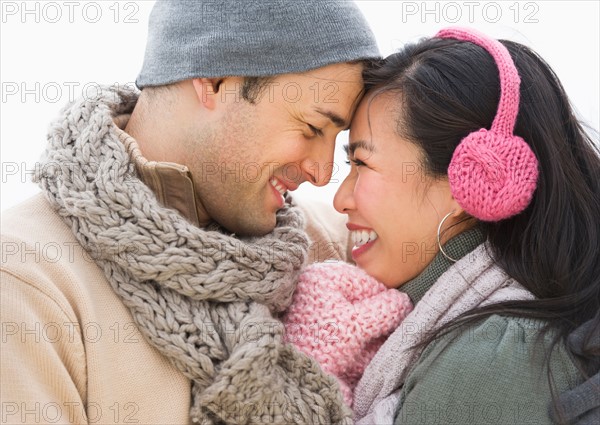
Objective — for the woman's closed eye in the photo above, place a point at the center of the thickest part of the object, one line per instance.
(351, 159)
(355, 161)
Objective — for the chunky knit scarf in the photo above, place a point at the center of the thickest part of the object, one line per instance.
(201, 297)
(474, 281)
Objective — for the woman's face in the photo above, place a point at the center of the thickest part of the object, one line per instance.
(393, 208)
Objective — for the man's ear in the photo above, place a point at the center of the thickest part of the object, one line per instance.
(207, 90)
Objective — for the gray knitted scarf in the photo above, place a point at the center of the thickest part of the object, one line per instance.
(201, 297)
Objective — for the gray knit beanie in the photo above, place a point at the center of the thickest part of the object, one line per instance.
(218, 38)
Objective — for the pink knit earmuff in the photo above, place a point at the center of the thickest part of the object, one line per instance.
(493, 173)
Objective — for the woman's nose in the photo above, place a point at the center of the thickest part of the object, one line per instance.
(343, 201)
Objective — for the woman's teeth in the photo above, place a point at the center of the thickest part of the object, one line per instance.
(278, 186)
(361, 237)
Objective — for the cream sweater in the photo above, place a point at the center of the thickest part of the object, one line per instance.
(71, 352)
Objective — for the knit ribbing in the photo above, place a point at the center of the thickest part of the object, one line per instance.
(457, 248)
(201, 38)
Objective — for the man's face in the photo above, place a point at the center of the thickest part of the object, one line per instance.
(245, 156)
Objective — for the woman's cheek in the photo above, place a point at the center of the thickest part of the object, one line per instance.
(365, 191)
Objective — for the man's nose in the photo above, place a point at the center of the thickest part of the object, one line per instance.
(318, 166)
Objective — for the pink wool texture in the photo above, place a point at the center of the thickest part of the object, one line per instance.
(493, 173)
(341, 316)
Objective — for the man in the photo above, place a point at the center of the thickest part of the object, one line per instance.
(143, 286)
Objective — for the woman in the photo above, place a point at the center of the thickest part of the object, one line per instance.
(495, 239)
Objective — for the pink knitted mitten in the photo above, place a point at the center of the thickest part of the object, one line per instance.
(341, 316)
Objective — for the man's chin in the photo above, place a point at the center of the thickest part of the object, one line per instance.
(248, 227)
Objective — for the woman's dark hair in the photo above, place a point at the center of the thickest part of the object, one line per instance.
(447, 89)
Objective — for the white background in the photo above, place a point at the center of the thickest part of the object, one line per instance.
(51, 51)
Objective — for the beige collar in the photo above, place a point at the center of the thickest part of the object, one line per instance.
(171, 183)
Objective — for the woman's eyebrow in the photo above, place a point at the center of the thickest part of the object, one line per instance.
(356, 144)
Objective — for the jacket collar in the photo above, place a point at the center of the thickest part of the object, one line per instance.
(171, 183)
(458, 247)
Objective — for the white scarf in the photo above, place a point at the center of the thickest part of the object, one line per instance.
(474, 281)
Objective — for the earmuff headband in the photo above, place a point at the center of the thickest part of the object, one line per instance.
(493, 173)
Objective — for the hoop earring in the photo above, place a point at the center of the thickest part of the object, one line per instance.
(439, 239)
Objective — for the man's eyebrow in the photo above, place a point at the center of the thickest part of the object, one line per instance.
(362, 144)
(335, 118)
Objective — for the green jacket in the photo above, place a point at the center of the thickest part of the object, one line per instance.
(492, 372)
